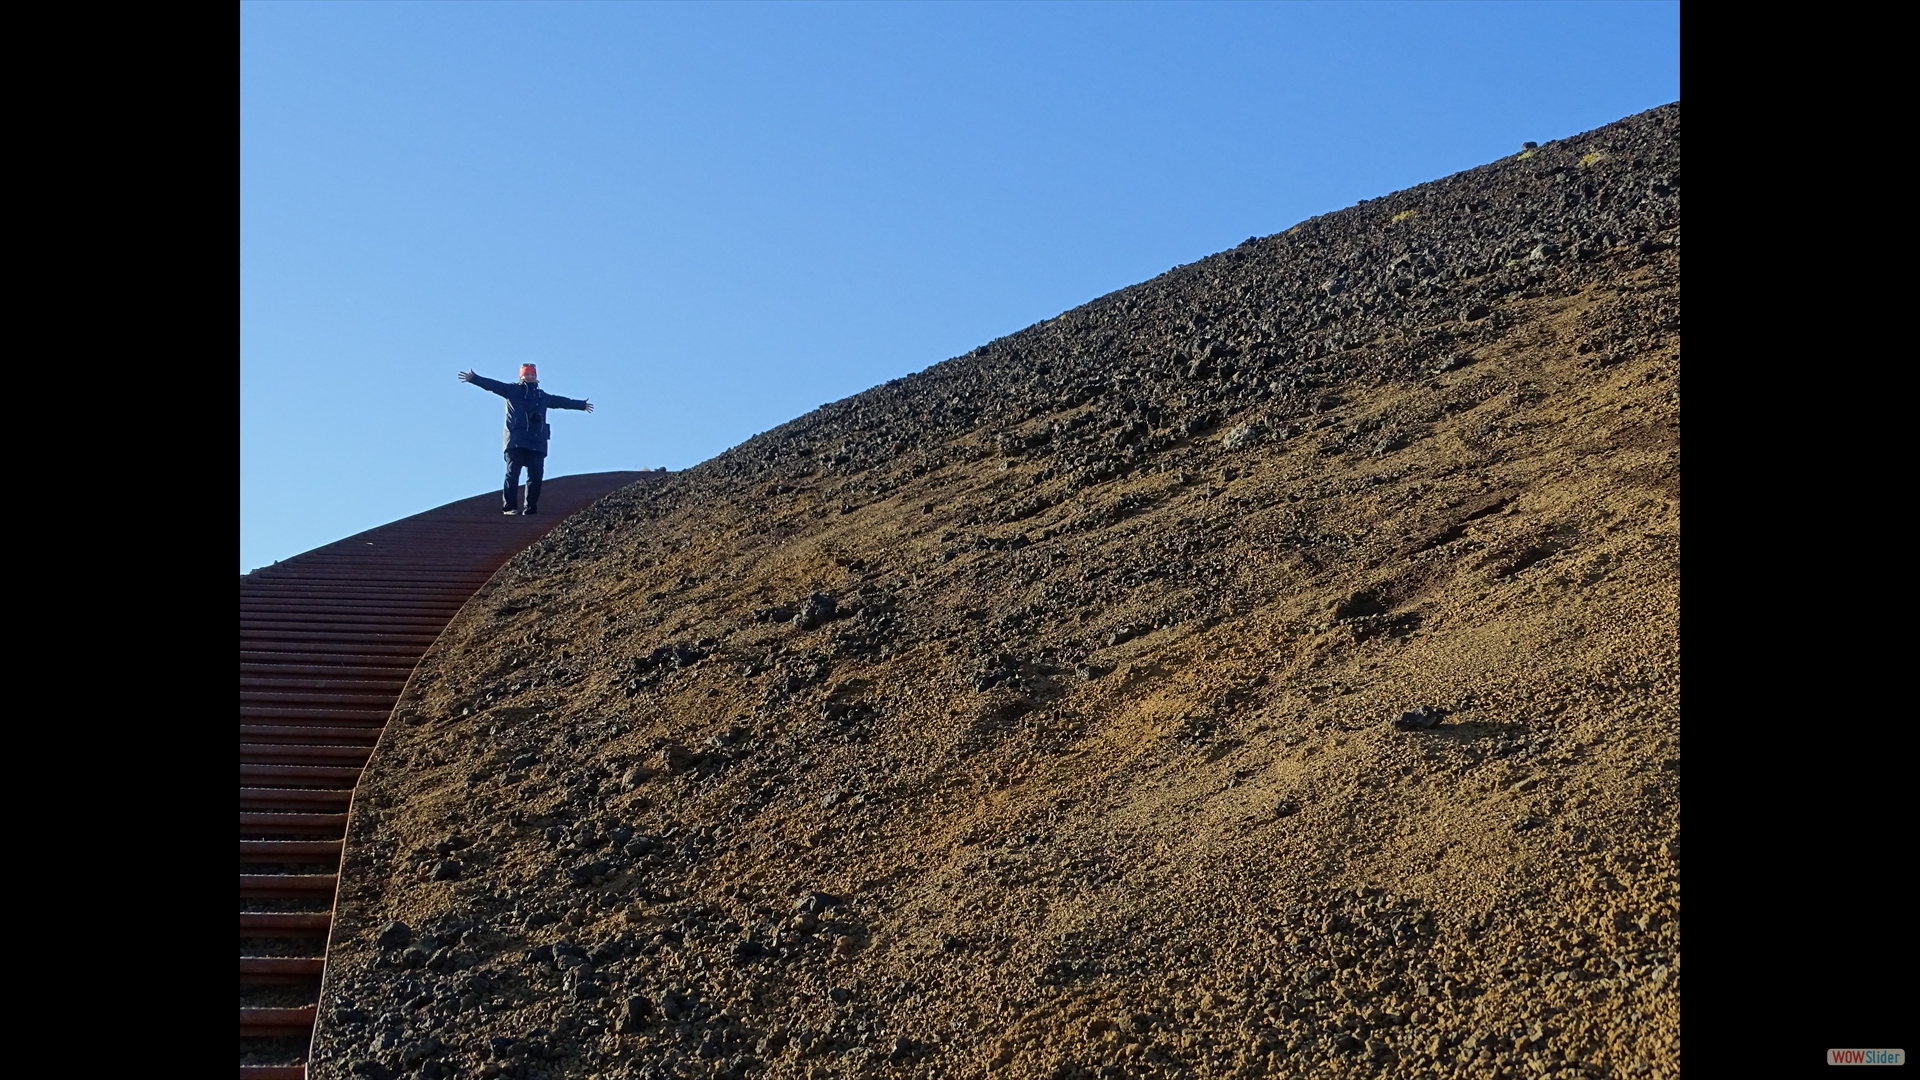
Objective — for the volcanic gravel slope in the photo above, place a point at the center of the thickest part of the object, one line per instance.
(1035, 714)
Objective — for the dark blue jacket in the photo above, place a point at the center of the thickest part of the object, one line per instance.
(527, 407)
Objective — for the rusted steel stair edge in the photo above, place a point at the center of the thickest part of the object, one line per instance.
(325, 654)
(278, 649)
(344, 679)
(355, 587)
(290, 817)
(308, 719)
(352, 730)
(322, 595)
(390, 667)
(292, 802)
(329, 621)
(271, 622)
(449, 558)
(270, 1072)
(262, 688)
(321, 599)
(307, 715)
(269, 795)
(276, 923)
(317, 644)
(346, 735)
(459, 564)
(313, 734)
(295, 666)
(319, 717)
(321, 687)
(305, 663)
(308, 966)
(379, 595)
(293, 745)
(301, 775)
(279, 1017)
(334, 614)
(405, 547)
(320, 641)
(303, 750)
(348, 588)
(380, 631)
(398, 660)
(291, 848)
(279, 622)
(288, 886)
(256, 675)
(452, 535)
(388, 693)
(328, 656)
(293, 699)
(393, 582)
(313, 698)
(249, 713)
(253, 630)
(267, 749)
(277, 677)
(265, 694)
(326, 599)
(276, 643)
(329, 590)
(257, 759)
(307, 684)
(336, 610)
(343, 757)
(349, 584)
(362, 583)
(389, 620)
(386, 636)
(272, 814)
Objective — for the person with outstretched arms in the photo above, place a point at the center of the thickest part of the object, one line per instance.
(527, 433)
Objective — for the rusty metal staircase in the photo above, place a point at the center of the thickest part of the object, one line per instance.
(327, 641)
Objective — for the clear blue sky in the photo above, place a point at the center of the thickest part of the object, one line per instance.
(712, 218)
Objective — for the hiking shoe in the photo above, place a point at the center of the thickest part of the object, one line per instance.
(510, 513)
(530, 511)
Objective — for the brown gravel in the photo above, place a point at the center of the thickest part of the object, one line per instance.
(1123, 796)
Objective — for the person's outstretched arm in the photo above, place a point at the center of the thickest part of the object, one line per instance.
(484, 383)
(555, 401)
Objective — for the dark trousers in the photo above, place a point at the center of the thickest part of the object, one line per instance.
(536, 465)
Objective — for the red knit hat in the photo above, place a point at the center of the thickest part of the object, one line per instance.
(527, 372)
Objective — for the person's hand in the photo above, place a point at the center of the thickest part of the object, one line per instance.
(589, 406)
(467, 376)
